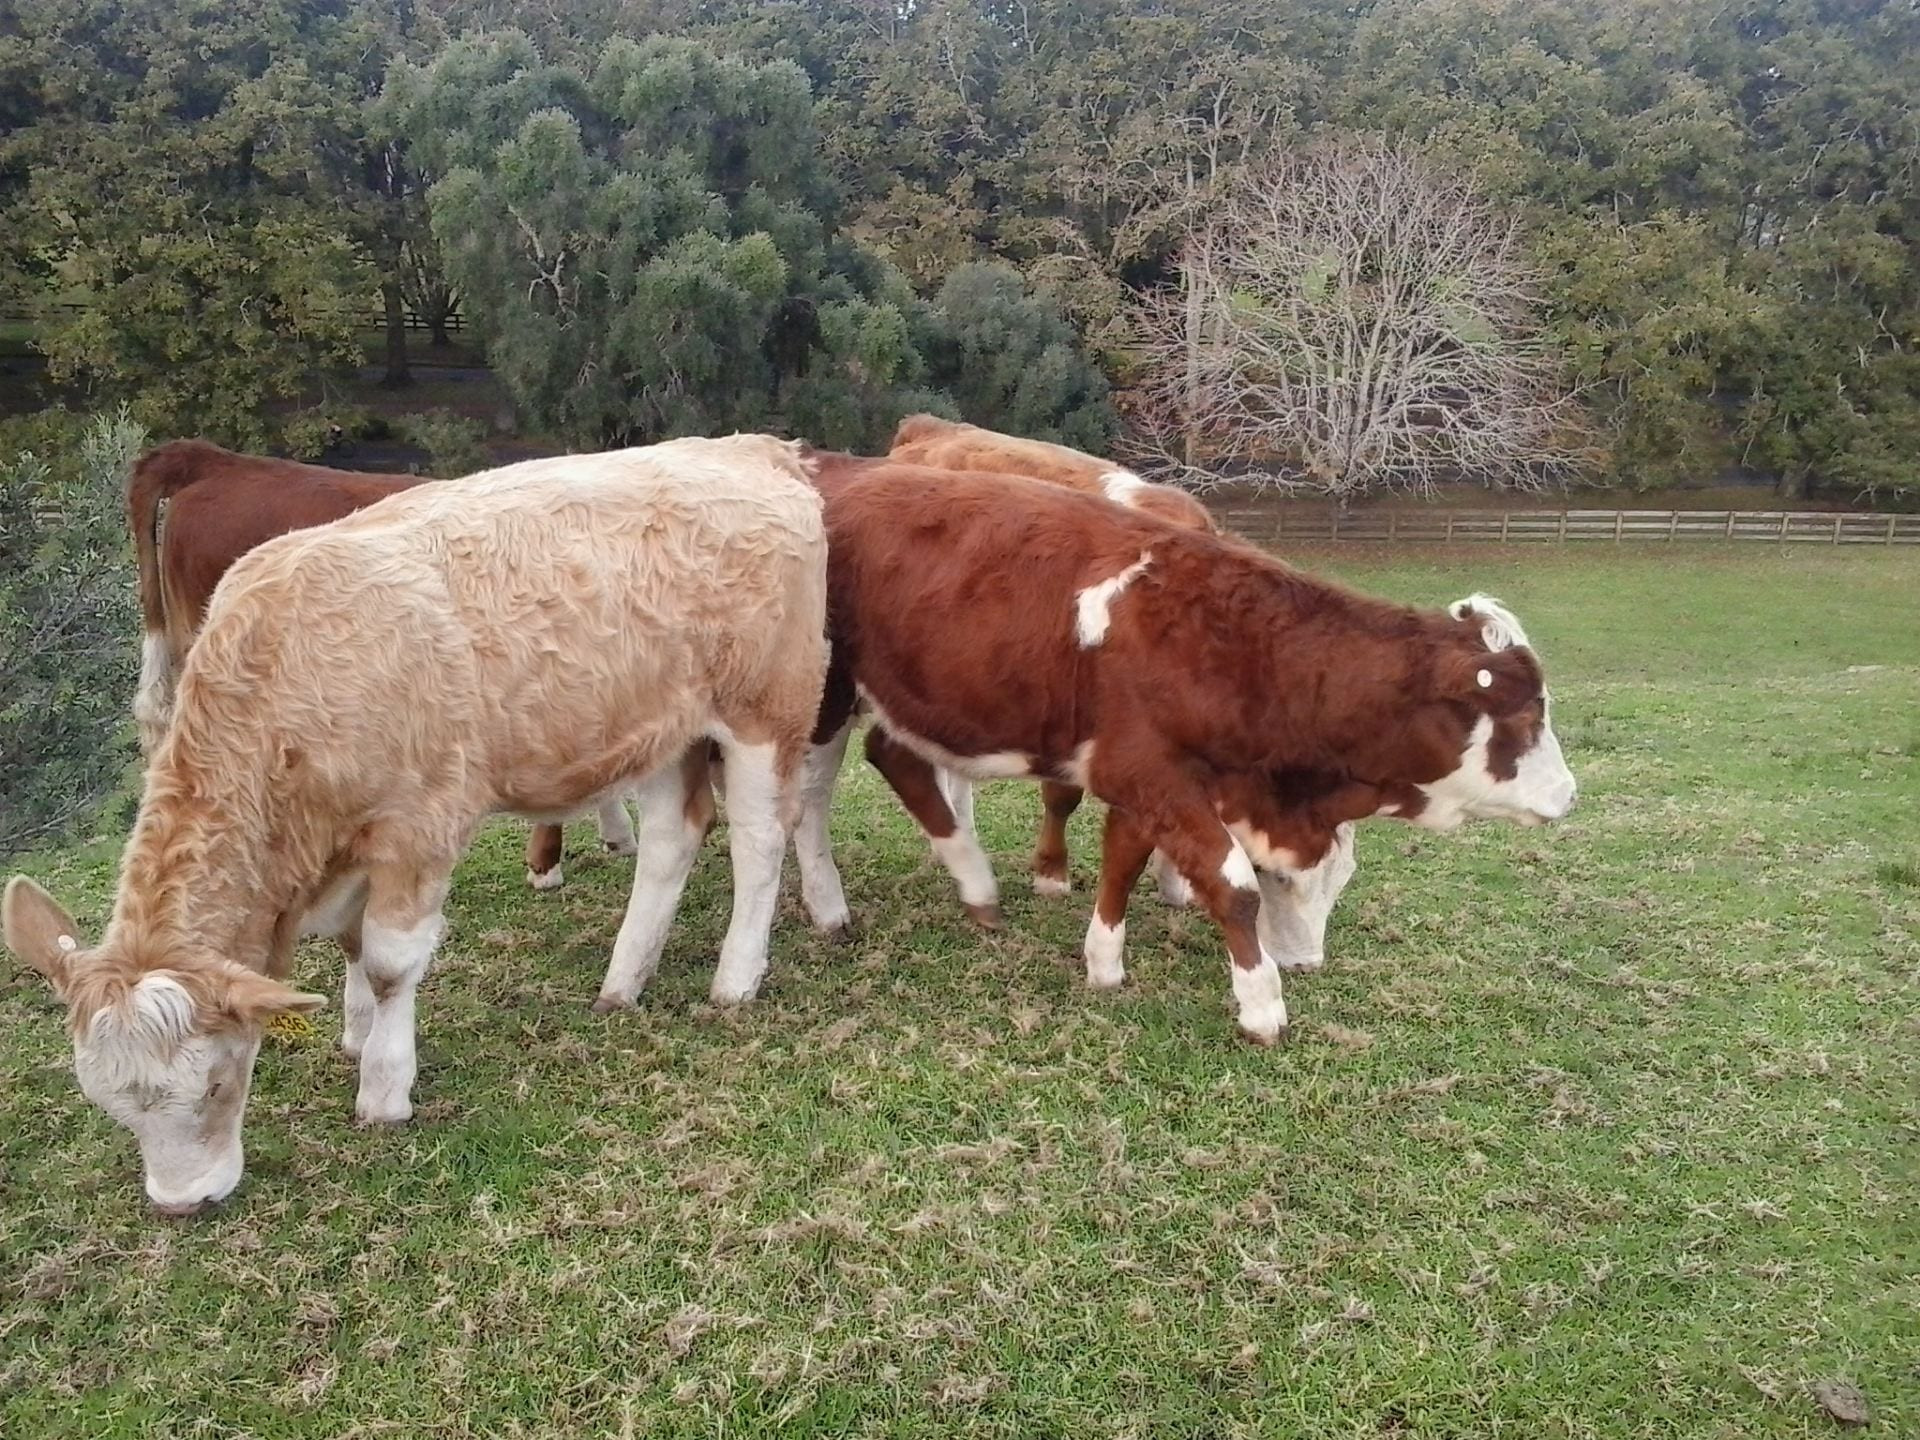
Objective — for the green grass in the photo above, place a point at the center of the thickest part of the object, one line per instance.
(1606, 1130)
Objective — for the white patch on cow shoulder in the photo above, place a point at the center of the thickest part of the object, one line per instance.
(1093, 606)
(1237, 869)
(996, 765)
(1105, 946)
(1123, 487)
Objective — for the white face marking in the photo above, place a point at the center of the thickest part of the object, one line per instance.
(1542, 787)
(1105, 948)
(1123, 487)
(1093, 606)
(182, 1092)
(1237, 870)
(996, 765)
(1295, 906)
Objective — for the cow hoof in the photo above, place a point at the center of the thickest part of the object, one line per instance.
(1052, 885)
(1105, 981)
(375, 1117)
(1265, 1039)
(840, 932)
(987, 917)
(607, 1004)
(622, 847)
(730, 996)
(549, 880)
(1298, 967)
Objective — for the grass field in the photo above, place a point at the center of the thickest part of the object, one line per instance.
(1607, 1130)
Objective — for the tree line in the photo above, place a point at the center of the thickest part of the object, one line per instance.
(662, 216)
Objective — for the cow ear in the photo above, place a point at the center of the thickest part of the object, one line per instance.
(39, 932)
(1500, 682)
(249, 998)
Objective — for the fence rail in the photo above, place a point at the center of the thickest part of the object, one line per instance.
(1779, 527)
(371, 317)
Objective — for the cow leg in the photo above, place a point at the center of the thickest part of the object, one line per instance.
(398, 934)
(1124, 847)
(1174, 889)
(820, 887)
(959, 792)
(676, 808)
(616, 825)
(763, 795)
(1180, 816)
(1058, 801)
(544, 845)
(917, 784)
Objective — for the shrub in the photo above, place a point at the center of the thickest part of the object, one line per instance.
(69, 627)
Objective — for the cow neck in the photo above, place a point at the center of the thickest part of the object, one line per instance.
(198, 874)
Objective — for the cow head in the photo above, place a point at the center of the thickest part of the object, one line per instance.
(167, 1051)
(1508, 765)
(1296, 904)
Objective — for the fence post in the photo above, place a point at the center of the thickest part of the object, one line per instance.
(1393, 526)
(1449, 539)
(1505, 515)
(1730, 515)
(1336, 523)
(1563, 527)
(1619, 523)
(1891, 519)
(1836, 529)
(1784, 517)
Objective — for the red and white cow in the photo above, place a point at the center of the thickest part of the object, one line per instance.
(220, 505)
(1231, 711)
(951, 445)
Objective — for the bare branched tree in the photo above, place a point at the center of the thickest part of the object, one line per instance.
(1352, 319)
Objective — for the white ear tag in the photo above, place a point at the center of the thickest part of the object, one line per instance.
(1485, 677)
(67, 943)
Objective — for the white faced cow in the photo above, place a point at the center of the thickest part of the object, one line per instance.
(362, 694)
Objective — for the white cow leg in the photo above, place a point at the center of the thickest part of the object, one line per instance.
(616, 825)
(393, 961)
(1174, 889)
(758, 841)
(820, 887)
(667, 843)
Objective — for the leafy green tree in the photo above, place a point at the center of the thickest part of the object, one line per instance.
(169, 197)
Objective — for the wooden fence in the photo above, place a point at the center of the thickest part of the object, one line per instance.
(371, 318)
(1779, 527)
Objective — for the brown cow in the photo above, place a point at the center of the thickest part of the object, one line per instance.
(1181, 677)
(949, 445)
(220, 505)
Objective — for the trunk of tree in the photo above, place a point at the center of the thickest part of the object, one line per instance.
(1792, 485)
(396, 320)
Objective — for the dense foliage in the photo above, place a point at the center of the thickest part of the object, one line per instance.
(68, 622)
(760, 212)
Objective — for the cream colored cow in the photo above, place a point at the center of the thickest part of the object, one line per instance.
(364, 693)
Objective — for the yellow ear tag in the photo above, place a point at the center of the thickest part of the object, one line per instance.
(290, 1029)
